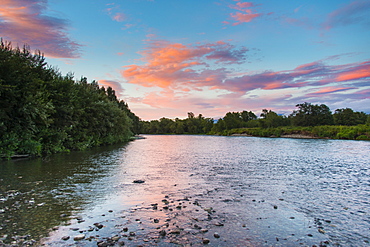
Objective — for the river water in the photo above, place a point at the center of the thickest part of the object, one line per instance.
(196, 191)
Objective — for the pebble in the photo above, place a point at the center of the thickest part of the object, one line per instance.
(176, 231)
(138, 181)
(216, 235)
(98, 225)
(162, 233)
(116, 238)
(65, 237)
(79, 237)
(206, 241)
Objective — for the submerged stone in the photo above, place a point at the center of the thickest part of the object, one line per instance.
(79, 237)
(138, 181)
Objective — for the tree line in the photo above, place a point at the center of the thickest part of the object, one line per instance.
(307, 115)
(44, 112)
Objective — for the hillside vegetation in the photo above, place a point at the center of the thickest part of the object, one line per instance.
(44, 112)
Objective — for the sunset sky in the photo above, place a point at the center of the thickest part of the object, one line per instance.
(169, 57)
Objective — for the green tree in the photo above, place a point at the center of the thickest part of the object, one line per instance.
(311, 115)
(271, 119)
(248, 116)
(346, 116)
(43, 112)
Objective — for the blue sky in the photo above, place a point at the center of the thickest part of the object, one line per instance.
(166, 58)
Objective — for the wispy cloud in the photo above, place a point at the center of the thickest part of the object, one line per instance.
(244, 14)
(24, 21)
(114, 12)
(353, 13)
(311, 74)
(356, 12)
(117, 87)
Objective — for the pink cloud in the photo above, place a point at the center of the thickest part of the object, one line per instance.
(119, 17)
(329, 90)
(245, 15)
(243, 5)
(242, 18)
(114, 12)
(355, 72)
(23, 22)
(117, 87)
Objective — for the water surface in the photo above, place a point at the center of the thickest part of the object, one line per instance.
(230, 191)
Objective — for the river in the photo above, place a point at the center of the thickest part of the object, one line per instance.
(191, 191)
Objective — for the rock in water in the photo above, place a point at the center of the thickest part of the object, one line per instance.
(138, 181)
(206, 241)
(162, 233)
(79, 237)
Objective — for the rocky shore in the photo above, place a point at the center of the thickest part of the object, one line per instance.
(172, 221)
(169, 222)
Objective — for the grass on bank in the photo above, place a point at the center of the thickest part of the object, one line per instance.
(358, 132)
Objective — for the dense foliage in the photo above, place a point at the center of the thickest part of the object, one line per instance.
(190, 125)
(309, 120)
(43, 112)
(357, 132)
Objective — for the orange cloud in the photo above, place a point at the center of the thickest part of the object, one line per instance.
(245, 14)
(360, 72)
(23, 21)
(177, 65)
(241, 18)
(327, 90)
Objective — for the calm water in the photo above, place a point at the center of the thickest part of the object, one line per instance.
(230, 191)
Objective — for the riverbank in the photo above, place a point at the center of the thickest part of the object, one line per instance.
(294, 136)
(358, 132)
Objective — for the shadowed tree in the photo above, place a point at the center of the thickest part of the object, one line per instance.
(348, 117)
(311, 115)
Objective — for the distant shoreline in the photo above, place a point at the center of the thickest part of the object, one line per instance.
(293, 136)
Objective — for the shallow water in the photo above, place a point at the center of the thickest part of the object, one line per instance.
(249, 191)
